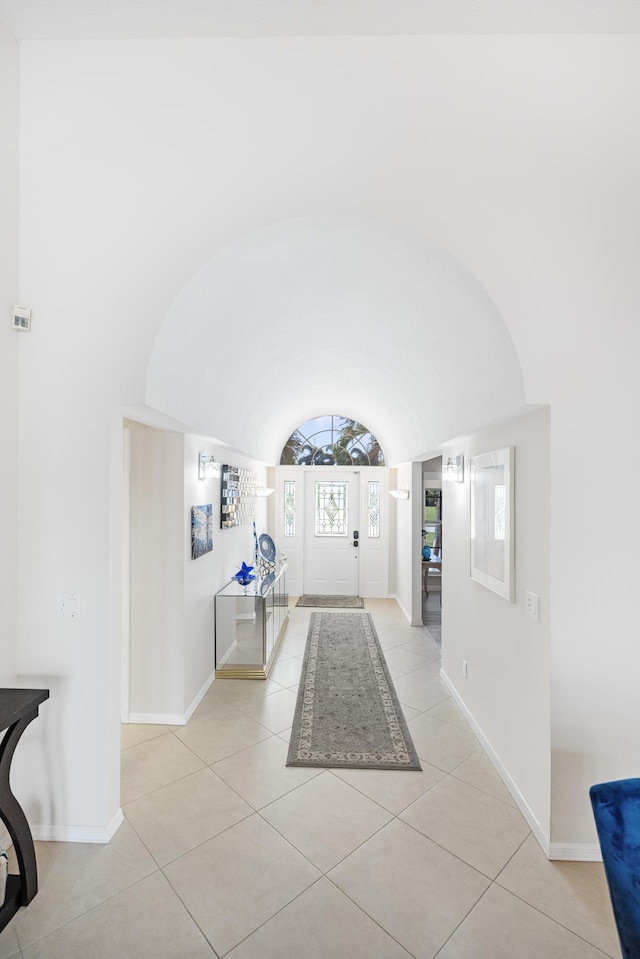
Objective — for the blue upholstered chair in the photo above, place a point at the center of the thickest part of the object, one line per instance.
(616, 808)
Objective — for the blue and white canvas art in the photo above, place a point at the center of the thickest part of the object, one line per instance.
(201, 530)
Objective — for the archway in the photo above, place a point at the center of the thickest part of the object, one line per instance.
(334, 312)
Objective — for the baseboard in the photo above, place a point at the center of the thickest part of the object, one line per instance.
(101, 834)
(574, 852)
(173, 719)
(197, 699)
(534, 825)
(158, 719)
(404, 612)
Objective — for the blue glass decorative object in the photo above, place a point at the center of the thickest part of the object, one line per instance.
(426, 552)
(244, 575)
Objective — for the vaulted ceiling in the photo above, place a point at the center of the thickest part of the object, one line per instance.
(263, 18)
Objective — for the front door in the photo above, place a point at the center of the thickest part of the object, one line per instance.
(330, 532)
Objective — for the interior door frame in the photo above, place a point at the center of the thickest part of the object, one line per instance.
(375, 554)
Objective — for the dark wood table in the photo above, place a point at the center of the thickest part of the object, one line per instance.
(18, 707)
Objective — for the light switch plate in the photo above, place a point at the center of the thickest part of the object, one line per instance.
(68, 606)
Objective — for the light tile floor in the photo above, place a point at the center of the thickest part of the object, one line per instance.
(227, 852)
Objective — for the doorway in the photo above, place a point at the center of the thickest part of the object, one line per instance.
(331, 550)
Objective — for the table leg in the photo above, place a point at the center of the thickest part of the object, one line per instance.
(13, 816)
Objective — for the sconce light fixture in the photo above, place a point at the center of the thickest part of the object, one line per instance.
(453, 469)
(399, 493)
(264, 491)
(207, 466)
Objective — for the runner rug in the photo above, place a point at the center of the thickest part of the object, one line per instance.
(348, 713)
(335, 602)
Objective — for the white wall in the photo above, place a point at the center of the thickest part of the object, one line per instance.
(405, 568)
(507, 690)
(138, 163)
(9, 344)
(157, 598)
(209, 573)
(172, 625)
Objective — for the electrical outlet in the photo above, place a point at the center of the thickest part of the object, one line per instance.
(533, 606)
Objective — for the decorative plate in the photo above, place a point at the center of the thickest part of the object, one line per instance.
(267, 547)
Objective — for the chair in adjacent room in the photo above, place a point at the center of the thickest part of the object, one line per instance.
(616, 808)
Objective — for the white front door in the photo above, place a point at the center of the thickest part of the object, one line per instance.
(330, 531)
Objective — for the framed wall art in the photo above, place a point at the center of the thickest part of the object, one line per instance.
(492, 532)
(201, 530)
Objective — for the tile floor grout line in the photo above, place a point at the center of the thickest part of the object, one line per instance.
(546, 915)
(538, 909)
(376, 801)
(192, 917)
(277, 913)
(299, 851)
(463, 920)
(370, 917)
(86, 912)
(448, 851)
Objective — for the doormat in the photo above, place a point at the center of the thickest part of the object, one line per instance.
(332, 602)
(347, 713)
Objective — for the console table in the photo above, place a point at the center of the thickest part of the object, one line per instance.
(18, 707)
(250, 623)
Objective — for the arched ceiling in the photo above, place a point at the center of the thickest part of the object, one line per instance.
(333, 315)
(255, 18)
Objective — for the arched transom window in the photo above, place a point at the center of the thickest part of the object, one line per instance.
(332, 441)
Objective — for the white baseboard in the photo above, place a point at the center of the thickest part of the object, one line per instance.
(404, 612)
(197, 699)
(574, 852)
(78, 833)
(173, 719)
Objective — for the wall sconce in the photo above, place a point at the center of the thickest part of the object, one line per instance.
(207, 466)
(453, 470)
(264, 491)
(399, 493)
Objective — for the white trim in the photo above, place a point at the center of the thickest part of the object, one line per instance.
(125, 577)
(158, 719)
(173, 719)
(79, 833)
(404, 612)
(574, 852)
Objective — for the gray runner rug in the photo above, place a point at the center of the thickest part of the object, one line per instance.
(332, 602)
(348, 713)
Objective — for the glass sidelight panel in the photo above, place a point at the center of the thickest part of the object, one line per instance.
(289, 507)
